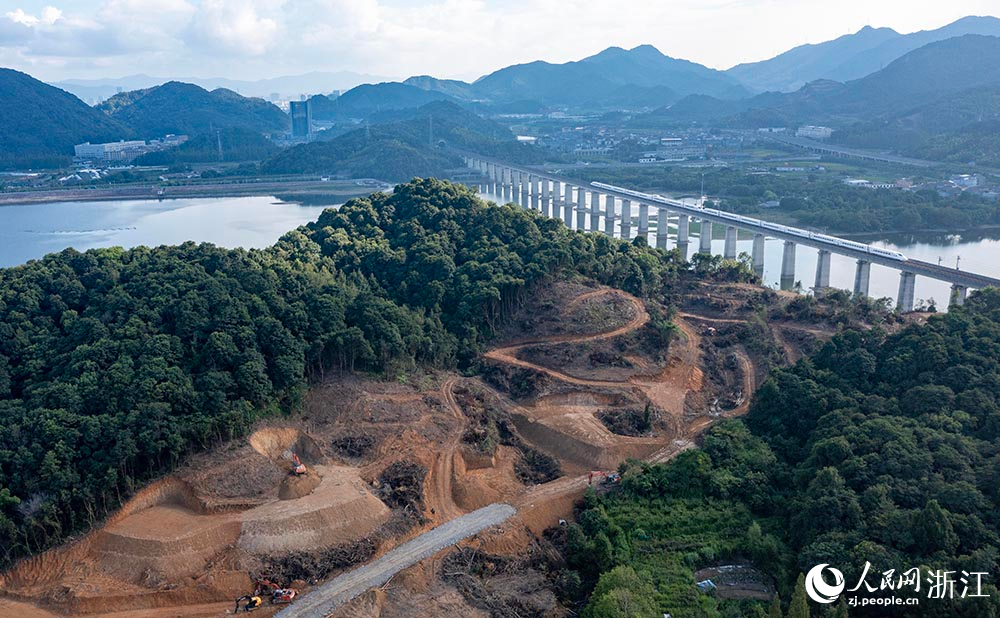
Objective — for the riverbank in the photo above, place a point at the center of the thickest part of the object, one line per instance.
(338, 191)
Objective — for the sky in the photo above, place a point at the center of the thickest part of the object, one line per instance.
(253, 39)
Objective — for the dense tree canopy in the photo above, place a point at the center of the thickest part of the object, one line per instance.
(880, 448)
(115, 364)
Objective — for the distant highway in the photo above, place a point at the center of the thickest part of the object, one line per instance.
(334, 593)
(852, 153)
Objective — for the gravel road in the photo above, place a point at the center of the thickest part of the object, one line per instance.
(327, 597)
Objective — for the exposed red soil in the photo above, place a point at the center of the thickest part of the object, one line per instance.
(187, 545)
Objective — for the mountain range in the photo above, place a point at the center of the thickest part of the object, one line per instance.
(39, 123)
(637, 78)
(286, 87)
(927, 74)
(851, 56)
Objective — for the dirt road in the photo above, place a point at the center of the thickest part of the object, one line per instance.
(508, 354)
(324, 599)
(439, 476)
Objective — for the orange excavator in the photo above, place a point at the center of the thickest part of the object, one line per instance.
(278, 593)
(607, 478)
(298, 468)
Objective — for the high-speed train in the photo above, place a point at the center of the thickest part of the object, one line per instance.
(751, 223)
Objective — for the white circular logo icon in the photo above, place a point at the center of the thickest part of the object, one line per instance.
(818, 590)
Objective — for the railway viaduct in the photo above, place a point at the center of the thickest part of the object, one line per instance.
(623, 213)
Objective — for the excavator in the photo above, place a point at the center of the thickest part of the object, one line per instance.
(278, 594)
(607, 478)
(264, 587)
(298, 468)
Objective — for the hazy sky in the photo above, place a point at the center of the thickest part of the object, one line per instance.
(57, 39)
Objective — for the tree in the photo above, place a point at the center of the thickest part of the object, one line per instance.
(799, 606)
(775, 609)
(623, 593)
(932, 530)
(841, 611)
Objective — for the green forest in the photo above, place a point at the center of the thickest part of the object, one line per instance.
(879, 448)
(235, 144)
(115, 364)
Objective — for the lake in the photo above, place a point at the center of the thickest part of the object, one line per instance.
(32, 230)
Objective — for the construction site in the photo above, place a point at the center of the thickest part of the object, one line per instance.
(581, 380)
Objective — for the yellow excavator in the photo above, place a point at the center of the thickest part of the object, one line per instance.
(278, 594)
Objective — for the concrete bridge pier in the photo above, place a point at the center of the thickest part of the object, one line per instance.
(788, 266)
(729, 250)
(568, 204)
(546, 200)
(705, 237)
(502, 182)
(627, 219)
(515, 187)
(758, 254)
(595, 211)
(822, 270)
(556, 199)
(907, 287)
(525, 190)
(862, 275)
(958, 294)
(683, 234)
(683, 229)
(609, 215)
(643, 221)
(662, 227)
(536, 194)
(581, 208)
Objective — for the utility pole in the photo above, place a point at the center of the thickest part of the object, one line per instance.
(218, 139)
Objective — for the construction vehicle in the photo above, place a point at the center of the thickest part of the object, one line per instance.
(250, 603)
(278, 593)
(298, 468)
(607, 478)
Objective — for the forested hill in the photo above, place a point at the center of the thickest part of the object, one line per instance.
(411, 145)
(880, 449)
(40, 124)
(179, 108)
(114, 364)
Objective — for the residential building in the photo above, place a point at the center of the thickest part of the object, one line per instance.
(813, 132)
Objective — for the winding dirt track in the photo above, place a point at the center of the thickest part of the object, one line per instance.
(439, 477)
(508, 354)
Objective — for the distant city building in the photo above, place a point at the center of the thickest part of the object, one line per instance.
(301, 113)
(113, 152)
(123, 152)
(814, 132)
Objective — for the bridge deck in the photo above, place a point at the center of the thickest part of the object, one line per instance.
(925, 269)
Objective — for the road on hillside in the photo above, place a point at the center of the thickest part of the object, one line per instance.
(327, 597)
